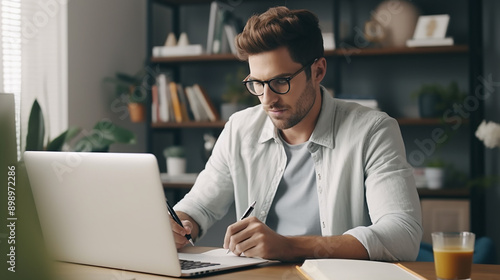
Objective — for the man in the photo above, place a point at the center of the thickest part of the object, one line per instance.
(330, 178)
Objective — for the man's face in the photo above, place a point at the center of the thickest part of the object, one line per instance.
(284, 110)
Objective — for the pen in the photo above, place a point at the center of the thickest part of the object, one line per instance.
(246, 214)
(177, 220)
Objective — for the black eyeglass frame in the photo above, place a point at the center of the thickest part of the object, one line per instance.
(268, 82)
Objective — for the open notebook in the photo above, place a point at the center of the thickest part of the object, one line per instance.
(345, 269)
(108, 209)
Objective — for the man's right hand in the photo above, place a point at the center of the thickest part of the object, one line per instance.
(180, 232)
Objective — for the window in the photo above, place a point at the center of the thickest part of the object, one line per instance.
(10, 59)
(33, 63)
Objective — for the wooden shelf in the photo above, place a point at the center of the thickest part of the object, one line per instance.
(191, 2)
(220, 124)
(195, 58)
(444, 193)
(398, 51)
(191, 124)
(177, 186)
(424, 121)
(460, 193)
(329, 53)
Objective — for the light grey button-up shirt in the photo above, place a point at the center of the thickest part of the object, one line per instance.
(365, 186)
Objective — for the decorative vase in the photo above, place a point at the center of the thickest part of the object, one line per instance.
(137, 112)
(428, 104)
(434, 177)
(176, 165)
(393, 22)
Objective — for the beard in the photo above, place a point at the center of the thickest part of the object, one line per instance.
(302, 107)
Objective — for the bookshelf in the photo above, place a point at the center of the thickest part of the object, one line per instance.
(468, 53)
(463, 49)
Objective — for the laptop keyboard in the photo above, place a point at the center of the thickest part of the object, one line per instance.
(186, 265)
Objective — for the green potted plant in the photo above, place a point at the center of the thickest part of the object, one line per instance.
(99, 139)
(435, 174)
(236, 97)
(176, 160)
(129, 88)
(434, 99)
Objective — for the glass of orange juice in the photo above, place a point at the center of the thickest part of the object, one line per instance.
(453, 253)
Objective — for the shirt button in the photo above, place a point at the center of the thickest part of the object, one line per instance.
(323, 224)
(262, 213)
(319, 176)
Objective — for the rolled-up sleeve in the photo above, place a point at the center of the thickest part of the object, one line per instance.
(391, 197)
(213, 193)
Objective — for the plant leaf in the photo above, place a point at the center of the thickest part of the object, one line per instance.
(114, 133)
(36, 129)
(92, 143)
(58, 143)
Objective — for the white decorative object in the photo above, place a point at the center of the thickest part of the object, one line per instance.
(431, 31)
(171, 41)
(176, 160)
(434, 177)
(489, 133)
(328, 41)
(183, 40)
(159, 51)
(176, 165)
(393, 23)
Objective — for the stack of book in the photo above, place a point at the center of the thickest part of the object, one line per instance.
(223, 27)
(173, 102)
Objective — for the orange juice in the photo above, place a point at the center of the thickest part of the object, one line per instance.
(453, 263)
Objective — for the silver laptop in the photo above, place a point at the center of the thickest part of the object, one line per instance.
(108, 209)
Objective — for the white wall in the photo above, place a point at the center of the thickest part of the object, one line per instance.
(104, 37)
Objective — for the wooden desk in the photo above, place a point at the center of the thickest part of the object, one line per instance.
(267, 271)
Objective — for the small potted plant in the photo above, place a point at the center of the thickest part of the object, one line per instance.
(236, 97)
(176, 160)
(434, 99)
(435, 174)
(128, 88)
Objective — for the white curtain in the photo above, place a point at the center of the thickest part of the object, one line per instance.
(43, 62)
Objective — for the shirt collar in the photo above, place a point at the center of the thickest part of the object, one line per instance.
(324, 130)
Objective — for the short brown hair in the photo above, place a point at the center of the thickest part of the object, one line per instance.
(298, 30)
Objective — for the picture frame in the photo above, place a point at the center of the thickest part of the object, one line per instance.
(431, 27)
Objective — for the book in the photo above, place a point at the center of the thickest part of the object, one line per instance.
(218, 31)
(232, 27)
(211, 26)
(206, 103)
(175, 102)
(231, 35)
(185, 110)
(216, 41)
(155, 108)
(167, 51)
(346, 269)
(196, 107)
(163, 96)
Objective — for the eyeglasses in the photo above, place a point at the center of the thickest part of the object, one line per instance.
(280, 85)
